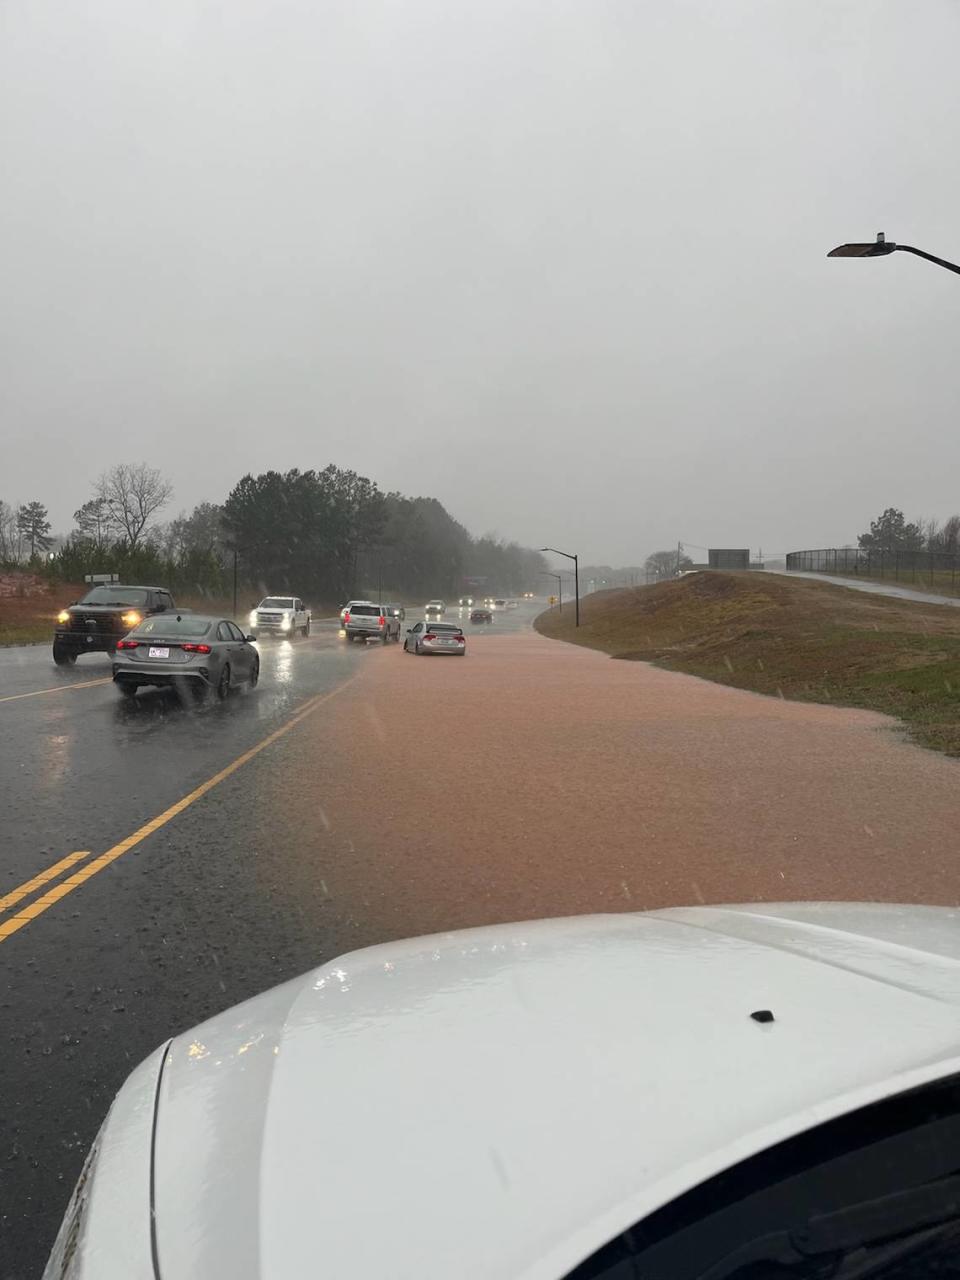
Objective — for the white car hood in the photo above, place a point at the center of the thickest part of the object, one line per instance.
(499, 1102)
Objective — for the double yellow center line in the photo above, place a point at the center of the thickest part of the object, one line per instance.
(36, 908)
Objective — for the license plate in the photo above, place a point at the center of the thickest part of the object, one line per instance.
(448, 642)
(153, 652)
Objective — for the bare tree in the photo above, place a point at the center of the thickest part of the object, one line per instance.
(131, 493)
(950, 536)
(9, 534)
(664, 564)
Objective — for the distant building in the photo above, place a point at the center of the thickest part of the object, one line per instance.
(729, 558)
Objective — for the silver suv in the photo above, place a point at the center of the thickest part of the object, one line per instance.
(363, 619)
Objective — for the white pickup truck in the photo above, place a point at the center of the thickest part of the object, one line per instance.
(281, 616)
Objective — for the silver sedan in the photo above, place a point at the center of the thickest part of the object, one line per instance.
(435, 637)
(188, 651)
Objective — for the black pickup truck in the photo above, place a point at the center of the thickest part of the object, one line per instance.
(104, 616)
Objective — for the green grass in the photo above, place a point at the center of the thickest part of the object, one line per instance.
(790, 638)
(24, 632)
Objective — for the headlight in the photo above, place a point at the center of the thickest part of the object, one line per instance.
(63, 616)
(253, 617)
(285, 623)
(131, 619)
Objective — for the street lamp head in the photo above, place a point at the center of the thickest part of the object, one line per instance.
(879, 249)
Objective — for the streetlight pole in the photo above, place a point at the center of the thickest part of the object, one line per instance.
(576, 577)
(548, 574)
(882, 246)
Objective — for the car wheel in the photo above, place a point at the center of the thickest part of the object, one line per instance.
(306, 627)
(255, 674)
(63, 657)
(129, 691)
(223, 684)
(405, 647)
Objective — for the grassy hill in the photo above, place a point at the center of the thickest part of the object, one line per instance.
(787, 637)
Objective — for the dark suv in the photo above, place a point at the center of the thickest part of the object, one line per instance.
(104, 616)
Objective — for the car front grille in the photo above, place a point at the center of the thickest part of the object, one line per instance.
(269, 617)
(95, 623)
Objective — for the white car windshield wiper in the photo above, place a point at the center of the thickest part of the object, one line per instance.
(858, 1242)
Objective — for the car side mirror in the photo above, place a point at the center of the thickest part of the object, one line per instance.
(250, 639)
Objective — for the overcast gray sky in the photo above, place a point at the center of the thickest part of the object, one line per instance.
(559, 263)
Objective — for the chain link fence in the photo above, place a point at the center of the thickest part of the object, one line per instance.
(934, 570)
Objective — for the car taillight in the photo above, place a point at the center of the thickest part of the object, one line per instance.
(195, 648)
(460, 639)
(346, 617)
(381, 621)
(128, 644)
(429, 636)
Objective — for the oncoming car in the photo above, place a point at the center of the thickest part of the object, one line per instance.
(693, 1093)
(435, 637)
(106, 612)
(280, 616)
(435, 608)
(190, 652)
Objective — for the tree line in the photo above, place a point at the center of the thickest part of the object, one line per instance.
(325, 534)
(891, 531)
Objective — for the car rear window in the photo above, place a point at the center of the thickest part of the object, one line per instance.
(116, 595)
(444, 626)
(176, 626)
(365, 611)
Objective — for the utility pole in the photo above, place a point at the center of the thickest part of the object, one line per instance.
(679, 554)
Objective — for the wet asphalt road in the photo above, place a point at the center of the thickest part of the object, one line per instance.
(216, 905)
